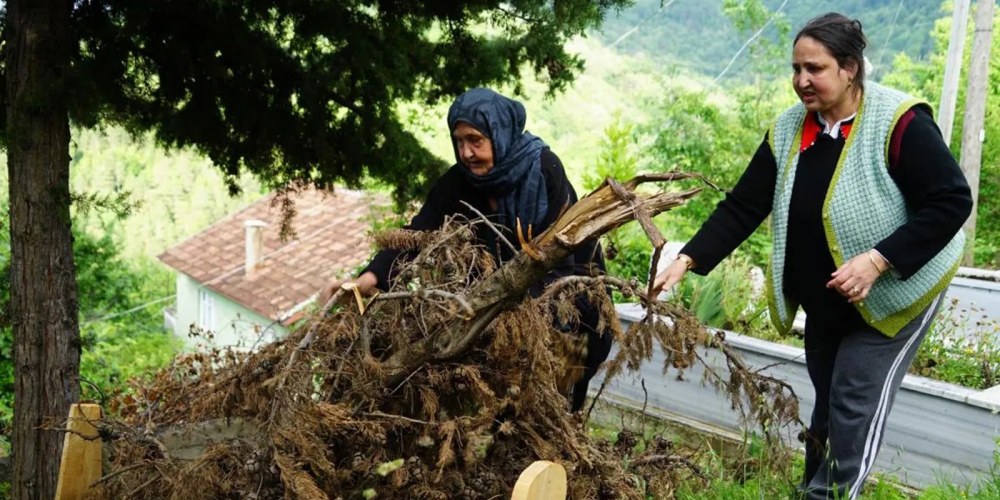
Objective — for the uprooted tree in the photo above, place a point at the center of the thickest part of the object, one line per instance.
(287, 90)
(446, 386)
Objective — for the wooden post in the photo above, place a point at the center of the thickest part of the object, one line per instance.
(541, 481)
(953, 68)
(973, 133)
(81, 456)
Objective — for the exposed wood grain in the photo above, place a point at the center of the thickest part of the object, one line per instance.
(81, 455)
(541, 481)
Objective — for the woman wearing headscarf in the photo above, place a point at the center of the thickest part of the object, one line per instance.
(509, 175)
(866, 206)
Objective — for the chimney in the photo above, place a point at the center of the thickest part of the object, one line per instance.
(255, 245)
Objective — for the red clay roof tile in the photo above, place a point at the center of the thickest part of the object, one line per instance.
(330, 241)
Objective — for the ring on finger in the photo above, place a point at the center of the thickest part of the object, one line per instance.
(854, 290)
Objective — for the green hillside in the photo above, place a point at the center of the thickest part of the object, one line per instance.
(697, 35)
(642, 81)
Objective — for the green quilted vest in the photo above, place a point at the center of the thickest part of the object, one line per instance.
(862, 207)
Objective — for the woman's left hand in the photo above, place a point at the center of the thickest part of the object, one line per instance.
(854, 279)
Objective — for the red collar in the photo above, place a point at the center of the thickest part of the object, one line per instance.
(812, 128)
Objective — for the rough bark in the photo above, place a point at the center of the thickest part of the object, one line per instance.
(43, 281)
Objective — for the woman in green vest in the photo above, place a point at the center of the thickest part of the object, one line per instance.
(867, 206)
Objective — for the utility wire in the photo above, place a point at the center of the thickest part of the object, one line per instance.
(130, 311)
(644, 21)
(889, 36)
(747, 43)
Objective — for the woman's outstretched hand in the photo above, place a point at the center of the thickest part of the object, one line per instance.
(671, 275)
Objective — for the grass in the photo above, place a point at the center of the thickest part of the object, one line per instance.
(746, 470)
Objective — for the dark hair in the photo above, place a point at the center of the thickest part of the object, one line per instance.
(844, 39)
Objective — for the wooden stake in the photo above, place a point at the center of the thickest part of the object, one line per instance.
(81, 457)
(541, 481)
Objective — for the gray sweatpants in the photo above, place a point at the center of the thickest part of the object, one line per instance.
(856, 373)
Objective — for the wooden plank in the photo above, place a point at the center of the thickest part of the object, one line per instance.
(81, 457)
(541, 481)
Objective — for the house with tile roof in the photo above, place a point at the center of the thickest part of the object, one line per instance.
(240, 281)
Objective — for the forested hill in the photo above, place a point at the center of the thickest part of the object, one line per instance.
(697, 34)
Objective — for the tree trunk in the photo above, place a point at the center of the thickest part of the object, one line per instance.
(43, 280)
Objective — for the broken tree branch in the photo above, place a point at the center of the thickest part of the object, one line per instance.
(638, 211)
(669, 176)
(627, 287)
(123, 470)
(671, 459)
(304, 344)
(428, 293)
(490, 225)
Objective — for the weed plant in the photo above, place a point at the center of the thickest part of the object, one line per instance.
(962, 347)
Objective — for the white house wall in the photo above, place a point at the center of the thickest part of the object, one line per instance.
(234, 324)
(187, 305)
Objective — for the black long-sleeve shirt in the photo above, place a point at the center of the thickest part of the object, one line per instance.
(446, 198)
(922, 167)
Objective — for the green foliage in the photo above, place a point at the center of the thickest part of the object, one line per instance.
(6, 328)
(627, 249)
(767, 54)
(113, 349)
(752, 477)
(118, 204)
(628, 253)
(754, 469)
(715, 135)
(962, 348)
(117, 344)
(698, 131)
(617, 158)
(728, 300)
(694, 134)
(307, 91)
(987, 487)
(116, 352)
(171, 196)
(688, 34)
(105, 281)
(925, 79)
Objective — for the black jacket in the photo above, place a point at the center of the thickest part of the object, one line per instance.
(919, 162)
